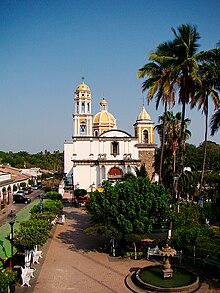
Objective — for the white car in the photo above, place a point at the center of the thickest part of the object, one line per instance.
(20, 192)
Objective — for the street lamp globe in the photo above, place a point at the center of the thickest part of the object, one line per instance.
(11, 218)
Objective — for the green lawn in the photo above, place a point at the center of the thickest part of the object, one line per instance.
(5, 245)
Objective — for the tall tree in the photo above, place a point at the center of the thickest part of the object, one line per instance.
(172, 137)
(185, 66)
(159, 83)
(129, 207)
(204, 91)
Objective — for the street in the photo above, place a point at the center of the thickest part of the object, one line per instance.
(18, 206)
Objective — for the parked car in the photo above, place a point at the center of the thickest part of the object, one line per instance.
(35, 187)
(82, 200)
(20, 192)
(19, 198)
(39, 185)
(27, 190)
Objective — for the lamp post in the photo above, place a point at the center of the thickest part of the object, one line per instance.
(11, 220)
(175, 188)
(41, 202)
(175, 182)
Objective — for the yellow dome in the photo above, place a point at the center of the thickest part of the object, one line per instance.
(144, 115)
(83, 87)
(103, 102)
(104, 118)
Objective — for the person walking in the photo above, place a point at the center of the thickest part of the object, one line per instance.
(63, 219)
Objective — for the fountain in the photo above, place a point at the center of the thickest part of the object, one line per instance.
(163, 278)
(166, 252)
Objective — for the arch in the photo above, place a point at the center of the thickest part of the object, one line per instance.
(8, 194)
(83, 108)
(115, 173)
(145, 136)
(4, 193)
(102, 172)
(83, 128)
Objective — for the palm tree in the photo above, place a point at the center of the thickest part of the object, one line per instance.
(215, 122)
(172, 137)
(203, 93)
(177, 64)
(159, 83)
(142, 171)
(185, 66)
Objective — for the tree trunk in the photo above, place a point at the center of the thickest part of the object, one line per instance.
(182, 135)
(204, 157)
(163, 143)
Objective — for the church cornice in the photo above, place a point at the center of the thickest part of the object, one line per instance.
(102, 138)
(145, 145)
(129, 162)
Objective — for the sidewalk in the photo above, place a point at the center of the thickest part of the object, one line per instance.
(72, 263)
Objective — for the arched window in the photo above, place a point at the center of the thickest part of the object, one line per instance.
(83, 108)
(145, 136)
(96, 133)
(83, 128)
(103, 173)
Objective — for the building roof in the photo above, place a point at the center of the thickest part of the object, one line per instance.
(143, 115)
(16, 174)
(104, 118)
(83, 87)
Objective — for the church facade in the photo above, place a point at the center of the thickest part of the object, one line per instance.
(100, 151)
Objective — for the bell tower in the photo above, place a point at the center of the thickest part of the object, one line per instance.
(144, 128)
(82, 116)
(144, 131)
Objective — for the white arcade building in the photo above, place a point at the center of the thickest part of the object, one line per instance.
(99, 151)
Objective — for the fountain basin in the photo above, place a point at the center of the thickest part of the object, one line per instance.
(151, 278)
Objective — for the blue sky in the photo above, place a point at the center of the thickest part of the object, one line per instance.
(47, 46)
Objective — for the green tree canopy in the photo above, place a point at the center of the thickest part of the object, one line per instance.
(128, 207)
(31, 233)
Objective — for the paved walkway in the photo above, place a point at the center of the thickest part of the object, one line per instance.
(73, 263)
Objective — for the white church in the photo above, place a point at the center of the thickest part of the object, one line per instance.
(99, 151)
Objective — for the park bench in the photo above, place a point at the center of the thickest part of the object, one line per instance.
(26, 275)
(36, 255)
(212, 261)
(156, 252)
(153, 252)
(179, 254)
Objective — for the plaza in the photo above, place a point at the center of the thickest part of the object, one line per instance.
(74, 262)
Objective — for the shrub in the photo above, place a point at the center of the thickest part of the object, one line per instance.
(46, 216)
(53, 195)
(49, 205)
(185, 236)
(7, 278)
(31, 233)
